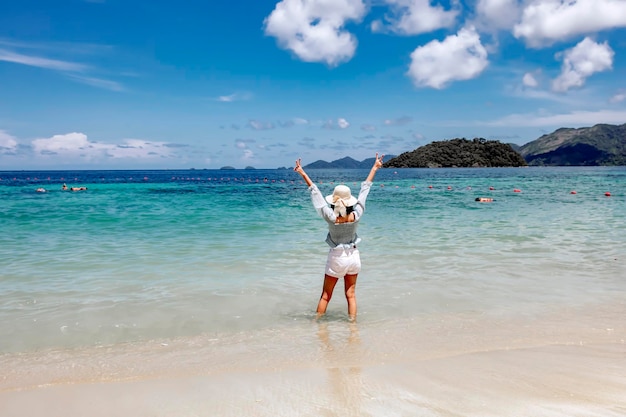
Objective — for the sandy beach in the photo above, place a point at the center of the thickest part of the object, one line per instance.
(563, 363)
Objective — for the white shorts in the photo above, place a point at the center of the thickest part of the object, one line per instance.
(343, 261)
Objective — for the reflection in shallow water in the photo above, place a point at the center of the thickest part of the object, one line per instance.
(342, 356)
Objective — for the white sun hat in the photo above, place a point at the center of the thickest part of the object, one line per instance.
(341, 193)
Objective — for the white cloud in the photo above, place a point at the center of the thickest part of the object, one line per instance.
(258, 125)
(340, 123)
(247, 155)
(35, 61)
(498, 14)
(529, 80)
(77, 145)
(300, 121)
(234, 97)
(547, 21)
(296, 121)
(139, 149)
(368, 128)
(580, 62)
(98, 82)
(8, 144)
(617, 98)
(71, 142)
(71, 69)
(573, 119)
(314, 29)
(412, 17)
(226, 99)
(457, 57)
(401, 121)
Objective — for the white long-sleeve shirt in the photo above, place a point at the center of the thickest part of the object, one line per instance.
(340, 233)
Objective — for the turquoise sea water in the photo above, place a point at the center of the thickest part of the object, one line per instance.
(149, 255)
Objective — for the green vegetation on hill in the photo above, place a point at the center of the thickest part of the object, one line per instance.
(601, 144)
(478, 152)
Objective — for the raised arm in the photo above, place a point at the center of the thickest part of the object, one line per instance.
(378, 163)
(298, 168)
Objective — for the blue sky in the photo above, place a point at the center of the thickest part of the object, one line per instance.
(134, 84)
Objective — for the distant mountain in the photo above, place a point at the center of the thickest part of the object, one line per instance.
(454, 153)
(346, 163)
(601, 144)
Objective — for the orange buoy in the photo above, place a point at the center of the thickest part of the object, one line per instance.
(517, 190)
(412, 186)
(430, 186)
(449, 188)
(572, 192)
(608, 194)
(491, 188)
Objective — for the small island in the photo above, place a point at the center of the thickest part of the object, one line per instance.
(459, 153)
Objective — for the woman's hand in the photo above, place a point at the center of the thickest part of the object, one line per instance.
(378, 163)
(298, 167)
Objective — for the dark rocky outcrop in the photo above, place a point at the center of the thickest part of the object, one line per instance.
(454, 153)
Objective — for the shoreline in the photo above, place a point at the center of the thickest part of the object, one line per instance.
(565, 363)
(550, 381)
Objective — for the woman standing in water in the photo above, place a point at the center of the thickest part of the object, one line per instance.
(342, 212)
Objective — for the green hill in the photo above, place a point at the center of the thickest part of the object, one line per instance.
(453, 153)
(601, 144)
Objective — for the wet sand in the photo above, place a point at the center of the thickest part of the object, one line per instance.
(566, 363)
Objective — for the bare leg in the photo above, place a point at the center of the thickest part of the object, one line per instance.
(350, 289)
(327, 294)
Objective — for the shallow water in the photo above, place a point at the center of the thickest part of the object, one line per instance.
(151, 255)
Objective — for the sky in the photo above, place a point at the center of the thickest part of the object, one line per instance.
(153, 84)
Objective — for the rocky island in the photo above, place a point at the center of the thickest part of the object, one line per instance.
(458, 153)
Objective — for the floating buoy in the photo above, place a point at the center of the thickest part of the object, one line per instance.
(491, 188)
(572, 192)
(517, 190)
(412, 186)
(430, 186)
(608, 194)
(449, 188)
